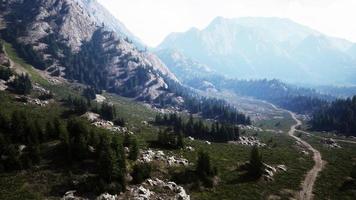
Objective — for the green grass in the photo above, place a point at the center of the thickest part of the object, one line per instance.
(279, 124)
(337, 169)
(14, 186)
(11, 52)
(227, 156)
(48, 182)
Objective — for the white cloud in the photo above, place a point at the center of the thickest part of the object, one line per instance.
(152, 20)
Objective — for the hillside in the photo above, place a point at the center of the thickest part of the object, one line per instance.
(43, 150)
(69, 39)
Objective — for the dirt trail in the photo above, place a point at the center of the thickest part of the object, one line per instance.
(307, 186)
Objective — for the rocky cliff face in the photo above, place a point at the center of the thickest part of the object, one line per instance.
(70, 38)
(182, 66)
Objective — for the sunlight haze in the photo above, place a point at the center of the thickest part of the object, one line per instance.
(152, 20)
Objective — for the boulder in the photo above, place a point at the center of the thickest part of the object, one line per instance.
(99, 98)
(70, 195)
(282, 168)
(182, 195)
(189, 148)
(107, 196)
(190, 138)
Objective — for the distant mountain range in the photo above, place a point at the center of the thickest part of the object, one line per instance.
(257, 47)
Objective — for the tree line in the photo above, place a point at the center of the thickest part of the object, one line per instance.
(216, 132)
(338, 116)
(206, 107)
(22, 137)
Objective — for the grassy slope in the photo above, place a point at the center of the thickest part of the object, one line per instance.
(338, 167)
(45, 181)
(227, 156)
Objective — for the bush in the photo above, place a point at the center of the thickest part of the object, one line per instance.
(22, 84)
(46, 96)
(141, 172)
(89, 93)
(255, 165)
(204, 168)
(170, 140)
(133, 150)
(5, 73)
(108, 111)
(119, 122)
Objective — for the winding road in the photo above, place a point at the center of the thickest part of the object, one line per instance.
(308, 183)
(307, 186)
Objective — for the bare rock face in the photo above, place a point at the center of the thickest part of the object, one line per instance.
(65, 17)
(78, 40)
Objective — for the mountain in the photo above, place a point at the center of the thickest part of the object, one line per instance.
(182, 66)
(81, 41)
(256, 47)
(103, 16)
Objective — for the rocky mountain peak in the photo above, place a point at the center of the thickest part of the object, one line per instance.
(80, 40)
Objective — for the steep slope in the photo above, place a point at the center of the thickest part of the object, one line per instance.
(183, 67)
(267, 48)
(103, 16)
(69, 38)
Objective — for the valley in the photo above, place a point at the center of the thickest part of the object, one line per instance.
(225, 156)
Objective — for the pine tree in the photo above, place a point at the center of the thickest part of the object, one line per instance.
(141, 172)
(64, 137)
(18, 126)
(107, 164)
(34, 153)
(256, 165)
(50, 130)
(78, 137)
(133, 150)
(22, 84)
(204, 168)
(180, 141)
(57, 125)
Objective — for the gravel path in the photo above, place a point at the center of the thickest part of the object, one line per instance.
(307, 185)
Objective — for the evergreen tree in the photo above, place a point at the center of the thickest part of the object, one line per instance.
(78, 138)
(5, 73)
(108, 111)
(57, 125)
(22, 84)
(13, 162)
(64, 137)
(127, 140)
(40, 131)
(34, 153)
(133, 150)
(180, 141)
(255, 164)
(18, 126)
(89, 93)
(107, 164)
(204, 168)
(141, 172)
(50, 130)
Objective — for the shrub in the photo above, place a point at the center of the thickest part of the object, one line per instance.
(141, 172)
(22, 84)
(255, 165)
(5, 73)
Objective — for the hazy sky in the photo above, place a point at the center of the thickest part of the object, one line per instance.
(153, 20)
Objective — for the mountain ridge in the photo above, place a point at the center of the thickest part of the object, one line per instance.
(255, 47)
(61, 36)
